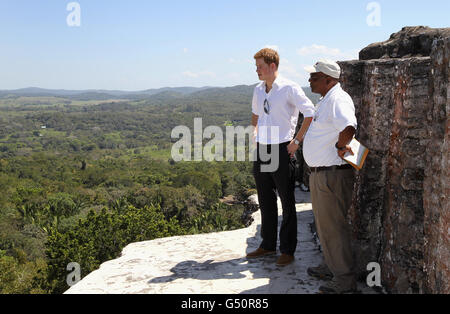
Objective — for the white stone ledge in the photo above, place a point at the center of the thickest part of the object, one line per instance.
(211, 263)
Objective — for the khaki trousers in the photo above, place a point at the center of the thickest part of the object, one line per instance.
(331, 195)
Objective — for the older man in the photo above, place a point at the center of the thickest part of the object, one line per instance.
(331, 180)
(275, 109)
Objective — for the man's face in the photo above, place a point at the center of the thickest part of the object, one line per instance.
(318, 82)
(263, 69)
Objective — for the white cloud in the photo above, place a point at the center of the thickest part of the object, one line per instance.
(198, 74)
(241, 61)
(185, 50)
(317, 49)
(288, 69)
(274, 47)
(234, 76)
(330, 53)
(189, 74)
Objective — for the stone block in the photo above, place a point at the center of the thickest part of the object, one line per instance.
(400, 213)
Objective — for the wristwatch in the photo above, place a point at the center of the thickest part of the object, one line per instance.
(296, 141)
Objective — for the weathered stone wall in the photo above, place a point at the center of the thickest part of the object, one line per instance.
(437, 174)
(397, 220)
(411, 41)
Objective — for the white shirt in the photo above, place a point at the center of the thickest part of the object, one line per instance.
(286, 99)
(334, 113)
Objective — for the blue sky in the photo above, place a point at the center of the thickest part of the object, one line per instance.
(142, 44)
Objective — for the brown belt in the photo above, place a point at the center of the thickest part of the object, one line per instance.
(317, 169)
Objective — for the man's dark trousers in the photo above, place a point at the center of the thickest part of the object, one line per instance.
(267, 183)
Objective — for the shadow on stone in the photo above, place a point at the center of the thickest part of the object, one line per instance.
(210, 269)
(263, 274)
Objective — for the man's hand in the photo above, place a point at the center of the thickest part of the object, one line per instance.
(344, 150)
(292, 148)
(345, 138)
(255, 127)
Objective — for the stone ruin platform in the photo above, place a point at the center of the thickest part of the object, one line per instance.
(211, 263)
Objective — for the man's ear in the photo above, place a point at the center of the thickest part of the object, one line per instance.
(273, 67)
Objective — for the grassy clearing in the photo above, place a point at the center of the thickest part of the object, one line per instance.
(52, 101)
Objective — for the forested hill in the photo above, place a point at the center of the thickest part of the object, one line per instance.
(86, 95)
(83, 175)
(95, 94)
(88, 122)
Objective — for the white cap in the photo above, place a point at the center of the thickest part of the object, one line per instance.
(327, 67)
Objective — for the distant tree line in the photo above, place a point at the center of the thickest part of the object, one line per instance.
(97, 178)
